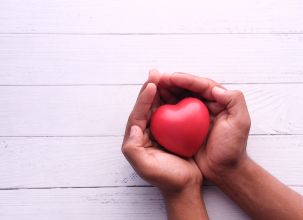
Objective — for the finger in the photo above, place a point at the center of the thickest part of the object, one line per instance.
(167, 96)
(177, 91)
(215, 107)
(153, 77)
(157, 102)
(199, 85)
(141, 110)
(234, 103)
(164, 81)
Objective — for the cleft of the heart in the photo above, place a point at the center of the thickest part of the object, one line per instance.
(181, 128)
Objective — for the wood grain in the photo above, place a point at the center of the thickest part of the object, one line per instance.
(83, 59)
(105, 203)
(98, 161)
(69, 75)
(103, 110)
(131, 16)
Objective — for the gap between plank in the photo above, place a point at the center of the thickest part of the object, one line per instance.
(96, 136)
(97, 187)
(73, 187)
(149, 34)
(138, 84)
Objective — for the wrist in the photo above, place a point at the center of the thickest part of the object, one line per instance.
(185, 204)
(187, 185)
(220, 173)
(189, 191)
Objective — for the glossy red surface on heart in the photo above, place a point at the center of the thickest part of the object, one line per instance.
(181, 128)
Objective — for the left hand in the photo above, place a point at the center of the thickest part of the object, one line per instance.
(168, 172)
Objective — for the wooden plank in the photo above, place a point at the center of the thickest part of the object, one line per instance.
(103, 110)
(120, 16)
(98, 161)
(105, 203)
(78, 59)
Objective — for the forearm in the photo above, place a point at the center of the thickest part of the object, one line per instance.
(260, 194)
(185, 205)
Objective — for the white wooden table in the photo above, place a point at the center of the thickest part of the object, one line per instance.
(70, 71)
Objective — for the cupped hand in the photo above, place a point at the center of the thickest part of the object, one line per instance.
(230, 121)
(164, 170)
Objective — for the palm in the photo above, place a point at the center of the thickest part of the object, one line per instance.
(170, 170)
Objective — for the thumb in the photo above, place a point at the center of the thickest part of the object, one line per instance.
(133, 142)
(233, 100)
(136, 134)
(133, 148)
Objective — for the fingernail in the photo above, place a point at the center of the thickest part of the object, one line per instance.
(133, 132)
(151, 72)
(219, 90)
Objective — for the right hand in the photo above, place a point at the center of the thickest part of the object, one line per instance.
(224, 160)
(227, 139)
(170, 173)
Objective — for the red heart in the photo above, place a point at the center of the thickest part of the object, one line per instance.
(181, 128)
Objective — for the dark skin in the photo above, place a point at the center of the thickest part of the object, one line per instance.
(222, 159)
(178, 179)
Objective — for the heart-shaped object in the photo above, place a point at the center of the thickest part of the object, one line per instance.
(181, 128)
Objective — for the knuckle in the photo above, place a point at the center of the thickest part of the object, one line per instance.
(238, 94)
(133, 118)
(245, 124)
(248, 121)
(130, 149)
(125, 149)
